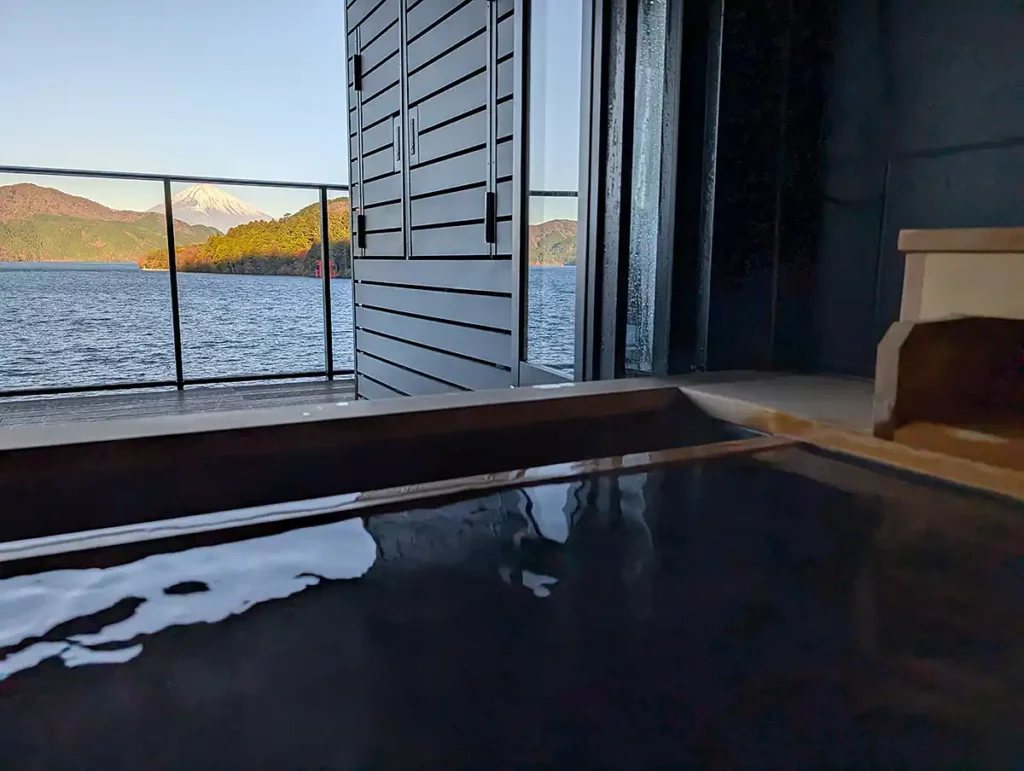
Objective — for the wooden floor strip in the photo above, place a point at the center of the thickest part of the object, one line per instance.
(350, 505)
(191, 401)
(859, 444)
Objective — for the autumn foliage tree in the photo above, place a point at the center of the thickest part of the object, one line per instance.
(281, 246)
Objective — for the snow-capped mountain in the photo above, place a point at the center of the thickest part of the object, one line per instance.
(210, 205)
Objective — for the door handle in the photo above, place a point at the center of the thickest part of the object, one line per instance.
(490, 219)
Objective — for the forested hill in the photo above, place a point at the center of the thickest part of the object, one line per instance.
(281, 246)
(26, 200)
(553, 243)
(45, 224)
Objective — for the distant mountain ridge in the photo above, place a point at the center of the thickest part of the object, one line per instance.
(26, 200)
(42, 224)
(552, 243)
(212, 206)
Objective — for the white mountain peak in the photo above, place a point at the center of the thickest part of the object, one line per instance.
(212, 197)
(206, 204)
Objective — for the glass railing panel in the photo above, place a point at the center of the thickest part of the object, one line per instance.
(250, 300)
(76, 310)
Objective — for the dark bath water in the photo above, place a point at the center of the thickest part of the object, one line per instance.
(63, 325)
(729, 614)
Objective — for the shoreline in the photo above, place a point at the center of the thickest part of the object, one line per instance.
(4, 264)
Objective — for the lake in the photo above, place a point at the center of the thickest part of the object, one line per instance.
(79, 324)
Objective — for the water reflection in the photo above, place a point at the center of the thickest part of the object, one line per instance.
(97, 616)
(200, 586)
(784, 621)
(552, 514)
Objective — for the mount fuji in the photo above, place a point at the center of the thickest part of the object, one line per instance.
(210, 205)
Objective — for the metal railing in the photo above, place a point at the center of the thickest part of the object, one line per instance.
(180, 381)
(329, 371)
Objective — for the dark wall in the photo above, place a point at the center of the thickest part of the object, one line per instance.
(828, 126)
(924, 127)
(743, 267)
(760, 279)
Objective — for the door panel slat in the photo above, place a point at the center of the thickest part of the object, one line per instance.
(381, 48)
(506, 78)
(466, 275)
(426, 13)
(377, 21)
(360, 10)
(457, 100)
(457, 136)
(504, 119)
(504, 199)
(460, 206)
(504, 153)
(368, 389)
(383, 189)
(408, 382)
(469, 20)
(377, 137)
(456, 241)
(390, 244)
(494, 347)
(504, 237)
(479, 309)
(467, 169)
(384, 217)
(453, 66)
(463, 372)
(378, 164)
(382, 78)
(506, 39)
(382, 106)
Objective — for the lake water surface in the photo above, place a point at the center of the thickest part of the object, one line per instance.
(75, 324)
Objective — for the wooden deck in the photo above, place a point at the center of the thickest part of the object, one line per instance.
(138, 404)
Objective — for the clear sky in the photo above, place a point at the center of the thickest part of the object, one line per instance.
(556, 37)
(251, 89)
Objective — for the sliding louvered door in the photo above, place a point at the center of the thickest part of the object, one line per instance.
(430, 136)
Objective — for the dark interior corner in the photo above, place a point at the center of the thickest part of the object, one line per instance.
(837, 124)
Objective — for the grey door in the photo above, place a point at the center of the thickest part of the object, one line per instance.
(430, 129)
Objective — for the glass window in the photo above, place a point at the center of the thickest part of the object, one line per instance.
(645, 215)
(556, 34)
